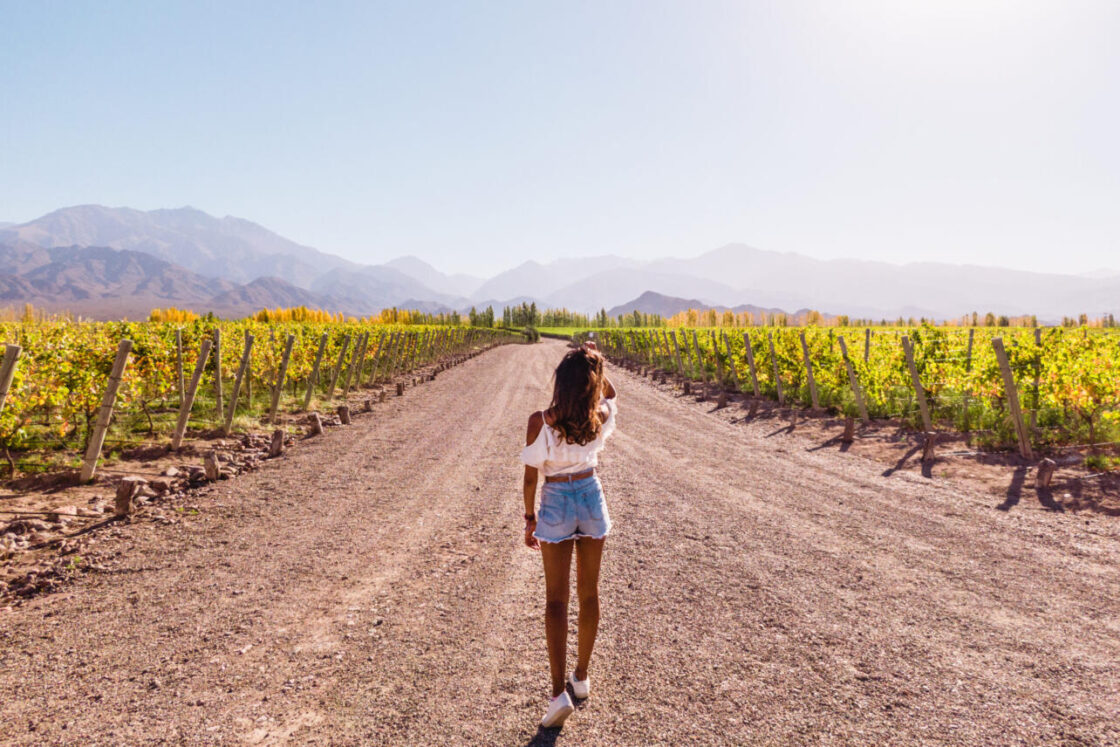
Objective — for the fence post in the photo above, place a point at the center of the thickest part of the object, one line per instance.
(7, 371)
(376, 357)
(179, 362)
(241, 369)
(314, 378)
(105, 414)
(866, 344)
(218, 372)
(355, 363)
(338, 366)
(919, 391)
(677, 353)
(809, 372)
(968, 369)
(1037, 377)
(188, 399)
(750, 362)
(278, 389)
(1012, 399)
(854, 381)
(777, 374)
(719, 361)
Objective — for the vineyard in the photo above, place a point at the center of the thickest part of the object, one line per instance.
(140, 382)
(1006, 388)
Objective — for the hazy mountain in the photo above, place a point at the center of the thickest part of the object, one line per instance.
(656, 303)
(242, 253)
(424, 273)
(536, 280)
(109, 283)
(230, 248)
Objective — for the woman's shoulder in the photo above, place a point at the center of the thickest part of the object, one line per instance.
(537, 421)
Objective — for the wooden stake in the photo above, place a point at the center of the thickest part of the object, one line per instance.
(126, 491)
(8, 371)
(777, 374)
(179, 363)
(316, 424)
(866, 344)
(278, 389)
(241, 369)
(376, 359)
(919, 390)
(188, 399)
(809, 372)
(1045, 474)
(677, 353)
(849, 434)
(854, 381)
(338, 366)
(355, 362)
(105, 414)
(313, 381)
(750, 362)
(928, 453)
(1013, 399)
(344, 414)
(276, 446)
(218, 372)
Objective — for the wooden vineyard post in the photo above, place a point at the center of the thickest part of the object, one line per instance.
(677, 353)
(719, 360)
(1037, 378)
(968, 369)
(1012, 399)
(731, 362)
(7, 371)
(854, 381)
(387, 359)
(338, 366)
(105, 414)
(700, 361)
(241, 369)
(278, 389)
(188, 398)
(249, 381)
(356, 363)
(809, 372)
(777, 374)
(179, 362)
(313, 380)
(919, 390)
(376, 358)
(867, 345)
(750, 362)
(218, 372)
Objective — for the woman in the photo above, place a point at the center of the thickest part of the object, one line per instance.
(563, 444)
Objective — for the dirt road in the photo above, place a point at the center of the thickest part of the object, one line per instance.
(372, 588)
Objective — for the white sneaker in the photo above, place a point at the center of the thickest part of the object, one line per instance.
(580, 688)
(559, 708)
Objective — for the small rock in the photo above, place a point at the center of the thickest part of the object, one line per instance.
(171, 472)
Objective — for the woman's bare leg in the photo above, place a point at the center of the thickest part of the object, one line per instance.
(557, 579)
(589, 554)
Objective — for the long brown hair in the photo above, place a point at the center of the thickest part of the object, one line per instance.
(576, 394)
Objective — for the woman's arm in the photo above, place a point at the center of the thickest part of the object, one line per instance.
(529, 484)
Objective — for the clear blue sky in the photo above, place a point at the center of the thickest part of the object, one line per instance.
(479, 134)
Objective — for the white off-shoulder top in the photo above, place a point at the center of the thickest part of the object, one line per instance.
(552, 455)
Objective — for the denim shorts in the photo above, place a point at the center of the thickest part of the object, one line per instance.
(570, 510)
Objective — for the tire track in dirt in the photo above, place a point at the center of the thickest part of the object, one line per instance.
(371, 588)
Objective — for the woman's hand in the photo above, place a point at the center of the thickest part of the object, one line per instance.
(530, 540)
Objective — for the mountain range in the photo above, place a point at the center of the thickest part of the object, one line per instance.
(114, 262)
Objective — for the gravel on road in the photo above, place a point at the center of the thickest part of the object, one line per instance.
(372, 588)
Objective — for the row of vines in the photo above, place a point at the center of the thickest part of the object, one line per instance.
(62, 369)
(1067, 380)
